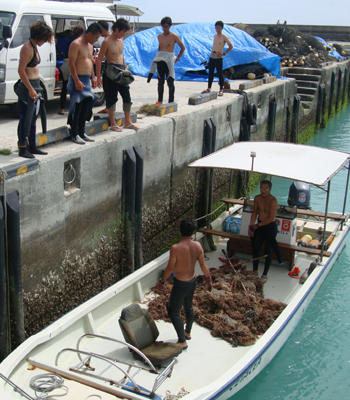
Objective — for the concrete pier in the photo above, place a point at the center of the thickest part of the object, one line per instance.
(58, 217)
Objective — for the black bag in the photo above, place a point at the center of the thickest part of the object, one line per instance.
(119, 76)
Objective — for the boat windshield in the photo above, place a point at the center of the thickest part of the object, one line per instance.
(6, 18)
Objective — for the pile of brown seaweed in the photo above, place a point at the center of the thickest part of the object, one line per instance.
(236, 316)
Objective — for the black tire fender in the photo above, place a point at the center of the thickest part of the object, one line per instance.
(251, 114)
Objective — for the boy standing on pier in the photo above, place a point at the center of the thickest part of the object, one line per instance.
(112, 48)
(165, 60)
(216, 57)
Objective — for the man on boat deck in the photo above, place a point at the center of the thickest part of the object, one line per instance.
(182, 261)
(265, 208)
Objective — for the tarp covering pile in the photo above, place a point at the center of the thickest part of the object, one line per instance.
(331, 51)
(141, 48)
(229, 312)
(294, 48)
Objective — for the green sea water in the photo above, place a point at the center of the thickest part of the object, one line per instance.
(314, 364)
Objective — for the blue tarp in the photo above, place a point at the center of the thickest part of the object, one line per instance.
(141, 48)
(332, 53)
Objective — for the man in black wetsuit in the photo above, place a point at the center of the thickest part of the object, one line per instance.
(182, 260)
(265, 208)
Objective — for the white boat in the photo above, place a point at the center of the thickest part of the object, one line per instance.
(210, 368)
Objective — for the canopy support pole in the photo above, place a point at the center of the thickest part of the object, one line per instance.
(194, 193)
(346, 193)
(230, 188)
(325, 220)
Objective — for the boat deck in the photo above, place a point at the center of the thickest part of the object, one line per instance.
(201, 363)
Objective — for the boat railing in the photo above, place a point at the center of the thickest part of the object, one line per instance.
(129, 373)
(144, 358)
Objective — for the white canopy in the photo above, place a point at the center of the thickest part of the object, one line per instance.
(309, 164)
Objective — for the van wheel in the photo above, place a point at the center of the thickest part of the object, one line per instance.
(100, 99)
(14, 109)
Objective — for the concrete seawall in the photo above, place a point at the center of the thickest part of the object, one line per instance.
(58, 218)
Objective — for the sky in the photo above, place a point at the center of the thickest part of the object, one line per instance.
(297, 12)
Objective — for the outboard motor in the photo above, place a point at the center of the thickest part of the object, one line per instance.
(299, 195)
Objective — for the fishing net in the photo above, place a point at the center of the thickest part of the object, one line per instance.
(237, 316)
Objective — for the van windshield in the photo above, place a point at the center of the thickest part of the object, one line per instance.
(6, 18)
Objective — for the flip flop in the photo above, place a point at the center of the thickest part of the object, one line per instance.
(131, 126)
(221, 93)
(206, 91)
(60, 113)
(115, 128)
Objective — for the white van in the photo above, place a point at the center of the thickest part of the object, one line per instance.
(16, 17)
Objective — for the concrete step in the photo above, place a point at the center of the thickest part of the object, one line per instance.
(304, 71)
(306, 97)
(304, 77)
(307, 84)
(307, 90)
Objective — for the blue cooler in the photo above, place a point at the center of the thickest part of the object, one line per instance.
(233, 225)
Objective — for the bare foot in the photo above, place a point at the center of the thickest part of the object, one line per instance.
(187, 336)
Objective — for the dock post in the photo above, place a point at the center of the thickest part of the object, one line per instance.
(4, 305)
(138, 206)
(15, 269)
(331, 94)
(128, 205)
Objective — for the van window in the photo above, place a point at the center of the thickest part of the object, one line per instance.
(6, 19)
(23, 29)
(64, 24)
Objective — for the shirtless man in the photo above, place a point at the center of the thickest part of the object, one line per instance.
(105, 33)
(182, 261)
(216, 61)
(265, 208)
(81, 73)
(112, 49)
(165, 60)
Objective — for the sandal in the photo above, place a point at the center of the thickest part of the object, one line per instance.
(131, 126)
(115, 128)
(221, 93)
(206, 91)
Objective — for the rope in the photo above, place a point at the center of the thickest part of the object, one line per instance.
(205, 216)
(46, 383)
(169, 396)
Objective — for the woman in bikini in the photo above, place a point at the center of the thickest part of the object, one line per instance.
(29, 87)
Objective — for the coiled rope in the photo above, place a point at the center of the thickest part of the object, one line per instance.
(46, 383)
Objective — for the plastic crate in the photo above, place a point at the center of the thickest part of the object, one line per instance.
(233, 225)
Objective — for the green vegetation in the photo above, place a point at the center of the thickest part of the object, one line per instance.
(5, 152)
(149, 109)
